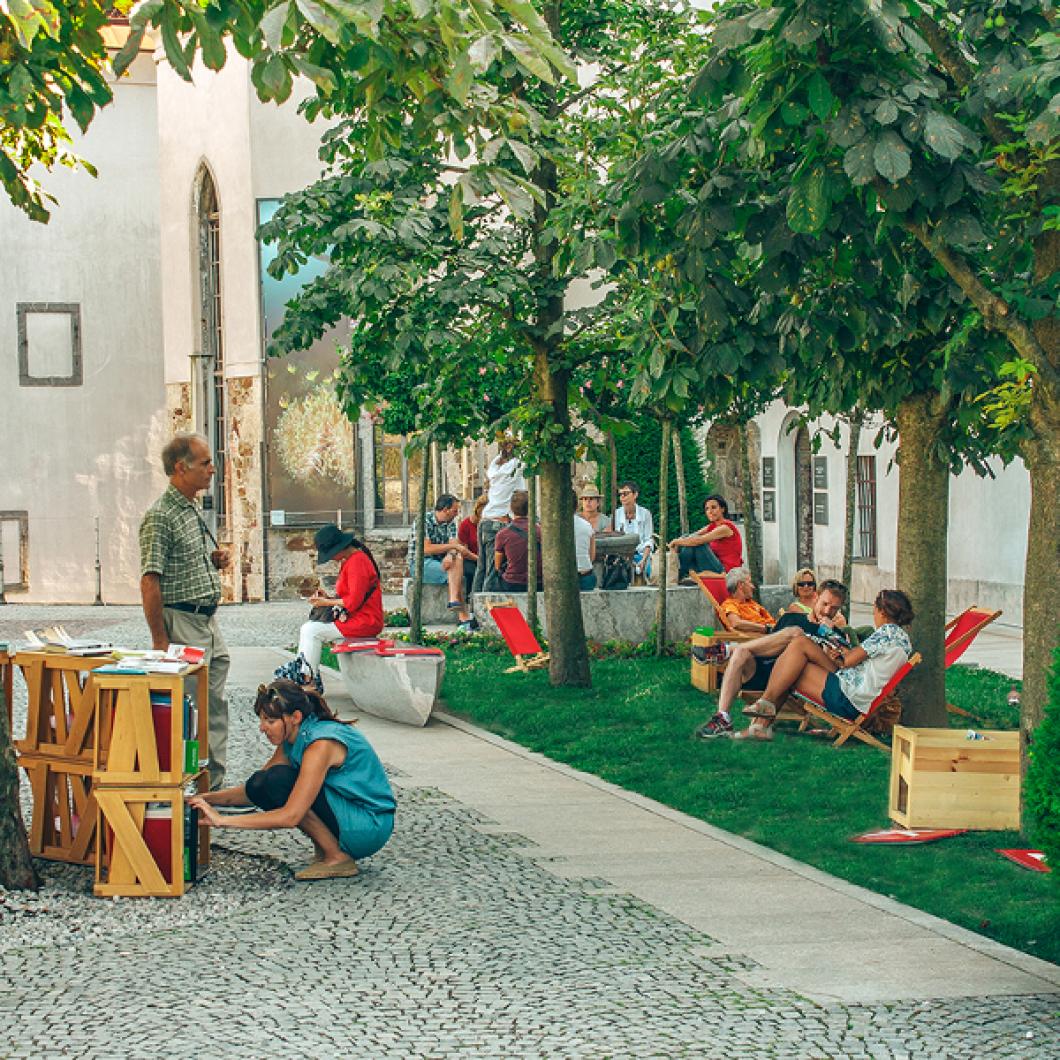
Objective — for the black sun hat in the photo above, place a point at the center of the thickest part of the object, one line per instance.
(330, 541)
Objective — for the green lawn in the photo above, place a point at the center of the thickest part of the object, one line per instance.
(797, 795)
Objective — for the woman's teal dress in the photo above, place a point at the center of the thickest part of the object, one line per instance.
(357, 791)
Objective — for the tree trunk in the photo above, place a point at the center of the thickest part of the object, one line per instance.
(752, 527)
(416, 610)
(857, 418)
(682, 490)
(613, 483)
(16, 866)
(1041, 454)
(664, 527)
(531, 556)
(923, 517)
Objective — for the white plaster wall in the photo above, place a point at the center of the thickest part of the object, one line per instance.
(284, 145)
(984, 568)
(74, 453)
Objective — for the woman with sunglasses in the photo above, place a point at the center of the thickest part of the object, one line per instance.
(804, 589)
(323, 778)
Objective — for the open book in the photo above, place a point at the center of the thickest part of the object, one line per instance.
(55, 638)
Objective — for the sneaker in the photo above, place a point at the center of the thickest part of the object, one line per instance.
(719, 725)
(714, 654)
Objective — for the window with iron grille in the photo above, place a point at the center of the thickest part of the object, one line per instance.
(397, 479)
(866, 493)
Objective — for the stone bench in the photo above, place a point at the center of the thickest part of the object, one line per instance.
(399, 683)
(433, 610)
(624, 614)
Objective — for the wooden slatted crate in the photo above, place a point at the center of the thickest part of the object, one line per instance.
(63, 825)
(126, 864)
(941, 779)
(128, 748)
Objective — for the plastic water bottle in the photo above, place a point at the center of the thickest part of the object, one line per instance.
(973, 735)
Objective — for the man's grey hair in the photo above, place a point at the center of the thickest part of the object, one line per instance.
(735, 577)
(180, 449)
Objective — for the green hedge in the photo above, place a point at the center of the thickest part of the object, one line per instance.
(1043, 776)
(638, 460)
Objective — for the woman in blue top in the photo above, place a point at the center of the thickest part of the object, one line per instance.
(323, 778)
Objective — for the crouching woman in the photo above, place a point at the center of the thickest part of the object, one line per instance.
(323, 778)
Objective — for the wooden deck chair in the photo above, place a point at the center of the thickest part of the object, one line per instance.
(518, 636)
(846, 728)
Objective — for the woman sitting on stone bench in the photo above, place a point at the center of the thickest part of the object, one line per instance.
(323, 778)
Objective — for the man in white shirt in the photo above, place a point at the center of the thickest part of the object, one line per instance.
(631, 518)
(505, 476)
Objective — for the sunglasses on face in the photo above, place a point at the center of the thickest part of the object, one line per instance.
(624, 493)
(807, 585)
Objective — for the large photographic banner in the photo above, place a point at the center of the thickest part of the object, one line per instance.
(310, 444)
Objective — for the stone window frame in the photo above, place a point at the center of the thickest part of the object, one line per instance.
(71, 309)
(22, 518)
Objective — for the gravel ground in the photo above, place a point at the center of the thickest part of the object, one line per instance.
(454, 942)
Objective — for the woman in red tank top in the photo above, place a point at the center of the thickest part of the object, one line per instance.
(717, 547)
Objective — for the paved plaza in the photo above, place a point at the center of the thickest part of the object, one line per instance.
(522, 909)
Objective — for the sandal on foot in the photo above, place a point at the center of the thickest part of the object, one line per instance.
(321, 870)
(753, 732)
(760, 708)
(453, 605)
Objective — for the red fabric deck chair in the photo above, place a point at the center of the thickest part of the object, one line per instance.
(962, 630)
(518, 636)
(845, 728)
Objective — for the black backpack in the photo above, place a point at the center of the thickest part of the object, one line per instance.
(618, 572)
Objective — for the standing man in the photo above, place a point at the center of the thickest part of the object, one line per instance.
(505, 476)
(179, 584)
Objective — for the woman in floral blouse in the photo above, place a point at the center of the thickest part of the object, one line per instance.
(846, 682)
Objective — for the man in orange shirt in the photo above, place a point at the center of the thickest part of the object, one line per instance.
(740, 609)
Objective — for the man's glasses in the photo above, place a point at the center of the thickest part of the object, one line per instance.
(625, 493)
(807, 585)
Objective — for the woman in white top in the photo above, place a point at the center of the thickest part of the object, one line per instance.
(631, 518)
(846, 682)
(584, 551)
(505, 476)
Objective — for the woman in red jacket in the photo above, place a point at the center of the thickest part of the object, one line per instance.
(357, 606)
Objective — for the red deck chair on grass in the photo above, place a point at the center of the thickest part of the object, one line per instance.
(845, 728)
(518, 636)
(960, 632)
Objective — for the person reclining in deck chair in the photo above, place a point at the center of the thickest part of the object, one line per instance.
(846, 682)
(751, 662)
(740, 609)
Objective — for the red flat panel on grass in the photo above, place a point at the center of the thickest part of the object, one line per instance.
(907, 836)
(1028, 859)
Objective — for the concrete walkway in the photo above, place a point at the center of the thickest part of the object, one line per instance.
(522, 909)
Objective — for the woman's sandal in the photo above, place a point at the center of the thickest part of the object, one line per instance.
(453, 605)
(321, 870)
(754, 731)
(760, 708)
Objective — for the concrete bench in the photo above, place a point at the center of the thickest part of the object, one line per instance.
(624, 614)
(433, 610)
(399, 683)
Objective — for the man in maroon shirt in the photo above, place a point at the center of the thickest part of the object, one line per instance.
(511, 546)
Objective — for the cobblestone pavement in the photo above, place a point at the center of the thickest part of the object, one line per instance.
(453, 942)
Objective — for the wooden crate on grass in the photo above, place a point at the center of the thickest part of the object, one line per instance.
(705, 675)
(942, 779)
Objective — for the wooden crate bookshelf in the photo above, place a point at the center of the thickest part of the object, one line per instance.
(941, 779)
(57, 752)
(126, 867)
(139, 760)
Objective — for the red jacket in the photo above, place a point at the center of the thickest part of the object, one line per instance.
(364, 609)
